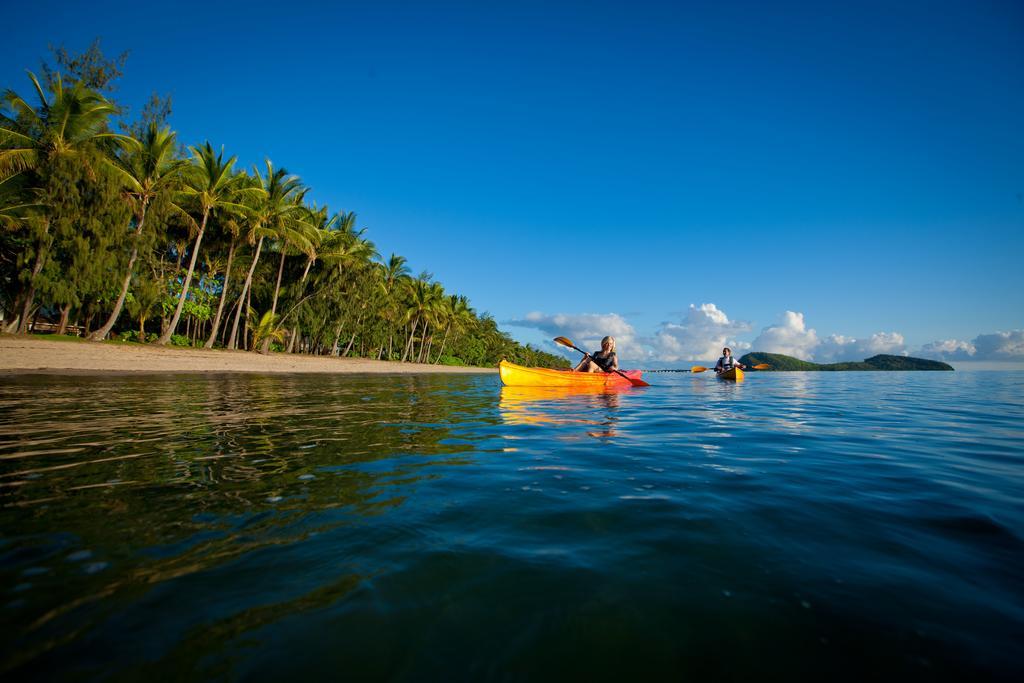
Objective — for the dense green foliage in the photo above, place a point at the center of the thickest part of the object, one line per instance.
(777, 361)
(887, 362)
(111, 227)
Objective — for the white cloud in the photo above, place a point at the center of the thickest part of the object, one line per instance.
(790, 337)
(587, 330)
(1000, 345)
(700, 335)
(997, 346)
(703, 330)
(948, 349)
(837, 347)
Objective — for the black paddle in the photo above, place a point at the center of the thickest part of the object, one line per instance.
(567, 343)
(759, 366)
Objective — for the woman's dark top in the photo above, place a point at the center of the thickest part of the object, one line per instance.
(604, 362)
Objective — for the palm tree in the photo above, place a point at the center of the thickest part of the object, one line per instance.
(321, 222)
(432, 320)
(17, 210)
(147, 293)
(147, 170)
(65, 122)
(231, 227)
(345, 254)
(422, 299)
(299, 232)
(274, 207)
(16, 205)
(394, 274)
(211, 185)
(458, 316)
(267, 330)
(301, 235)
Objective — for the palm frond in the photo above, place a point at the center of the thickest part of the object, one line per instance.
(15, 161)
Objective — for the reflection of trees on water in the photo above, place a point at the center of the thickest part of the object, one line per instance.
(210, 639)
(165, 477)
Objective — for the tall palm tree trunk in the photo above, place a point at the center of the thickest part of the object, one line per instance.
(423, 342)
(426, 354)
(245, 327)
(242, 296)
(101, 334)
(408, 344)
(30, 295)
(223, 298)
(353, 338)
(443, 342)
(265, 346)
(65, 313)
(337, 338)
(295, 329)
(88, 316)
(166, 336)
(280, 271)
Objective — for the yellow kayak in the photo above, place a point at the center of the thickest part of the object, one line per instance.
(513, 375)
(735, 374)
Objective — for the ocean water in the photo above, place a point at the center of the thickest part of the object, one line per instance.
(793, 526)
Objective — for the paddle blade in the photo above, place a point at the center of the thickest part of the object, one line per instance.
(638, 382)
(698, 368)
(761, 366)
(565, 341)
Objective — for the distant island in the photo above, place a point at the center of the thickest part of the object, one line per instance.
(777, 361)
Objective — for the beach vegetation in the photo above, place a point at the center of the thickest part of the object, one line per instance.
(110, 227)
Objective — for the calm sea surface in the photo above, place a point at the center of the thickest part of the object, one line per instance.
(797, 525)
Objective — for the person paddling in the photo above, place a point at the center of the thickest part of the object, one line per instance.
(604, 360)
(727, 362)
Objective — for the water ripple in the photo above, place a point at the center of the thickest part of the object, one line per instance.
(232, 526)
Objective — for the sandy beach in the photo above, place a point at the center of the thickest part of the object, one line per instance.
(27, 355)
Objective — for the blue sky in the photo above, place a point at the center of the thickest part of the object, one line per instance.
(859, 165)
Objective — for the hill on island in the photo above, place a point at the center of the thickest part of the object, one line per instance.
(777, 361)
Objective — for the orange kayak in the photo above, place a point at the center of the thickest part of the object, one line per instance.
(513, 375)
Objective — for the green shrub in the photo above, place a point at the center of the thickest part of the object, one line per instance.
(133, 336)
(180, 340)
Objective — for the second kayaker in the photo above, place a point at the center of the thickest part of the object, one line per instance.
(604, 360)
(727, 362)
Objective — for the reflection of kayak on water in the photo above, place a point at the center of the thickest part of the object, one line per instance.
(513, 375)
(565, 405)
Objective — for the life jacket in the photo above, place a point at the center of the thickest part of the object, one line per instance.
(727, 362)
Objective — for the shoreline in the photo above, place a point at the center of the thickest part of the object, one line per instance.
(29, 355)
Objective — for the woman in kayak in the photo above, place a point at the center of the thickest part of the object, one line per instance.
(604, 360)
(727, 362)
